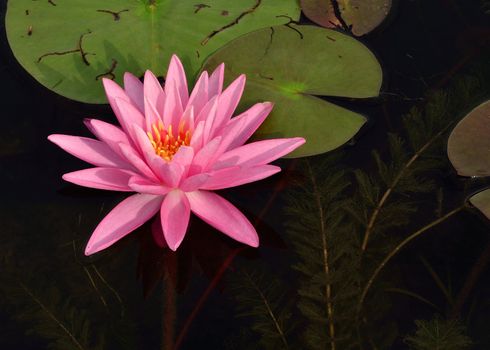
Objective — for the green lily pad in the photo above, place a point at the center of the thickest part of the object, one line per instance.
(361, 16)
(68, 46)
(469, 143)
(481, 201)
(291, 65)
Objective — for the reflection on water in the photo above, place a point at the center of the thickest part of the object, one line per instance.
(215, 293)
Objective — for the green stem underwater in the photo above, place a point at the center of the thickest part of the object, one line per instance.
(328, 288)
(269, 310)
(397, 249)
(51, 316)
(96, 289)
(396, 180)
(116, 294)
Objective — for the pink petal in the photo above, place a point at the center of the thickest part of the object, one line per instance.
(134, 89)
(154, 99)
(258, 153)
(194, 182)
(222, 215)
(196, 140)
(108, 133)
(130, 115)
(242, 127)
(176, 79)
(144, 144)
(174, 214)
(228, 101)
(143, 141)
(240, 176)
(188, 118)
(135, 160)
(204, 156)
(152, 117)
(221, 175)
(184, 157)
(209, 121)
(211, 106)
(114, 92)
(216, 81)
(111, 179)
(153, 89)
(171, 173)
(127, 216)
(173, 109)
(199, 95)
(142, 185)
(89, 150)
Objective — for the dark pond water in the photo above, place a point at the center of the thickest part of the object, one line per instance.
(137, 296)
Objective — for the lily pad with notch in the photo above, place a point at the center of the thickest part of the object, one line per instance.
(291, 66)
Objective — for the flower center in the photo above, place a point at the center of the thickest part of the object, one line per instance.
(165, 141)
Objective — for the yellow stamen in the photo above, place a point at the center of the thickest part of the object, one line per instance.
(165, 143)
(181, 126)
(156, 132)
(150, 135)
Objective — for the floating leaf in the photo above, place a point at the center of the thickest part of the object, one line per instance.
(361, 16)
(68, 46)
(481, 201)
(469, 143)
(291, 65)
(468, 150)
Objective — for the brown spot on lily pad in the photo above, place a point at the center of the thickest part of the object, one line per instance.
(199, 7)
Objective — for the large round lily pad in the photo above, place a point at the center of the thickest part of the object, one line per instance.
(361, 16)
(469, 143)
(292, 65)
(68, 46)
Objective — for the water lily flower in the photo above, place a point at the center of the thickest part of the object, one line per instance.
(173, 149)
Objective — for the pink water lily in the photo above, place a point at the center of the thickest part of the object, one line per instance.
(173, 149)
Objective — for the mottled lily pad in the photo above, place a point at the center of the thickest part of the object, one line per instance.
(469, 143)
(481, 201)
(68, 46)
(292, 65)
(361, 16)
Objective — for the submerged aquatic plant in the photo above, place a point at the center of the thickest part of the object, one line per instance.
(173, 149)
(439, 333)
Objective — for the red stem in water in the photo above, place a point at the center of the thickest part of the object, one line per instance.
(228, 261)
(205, 295)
